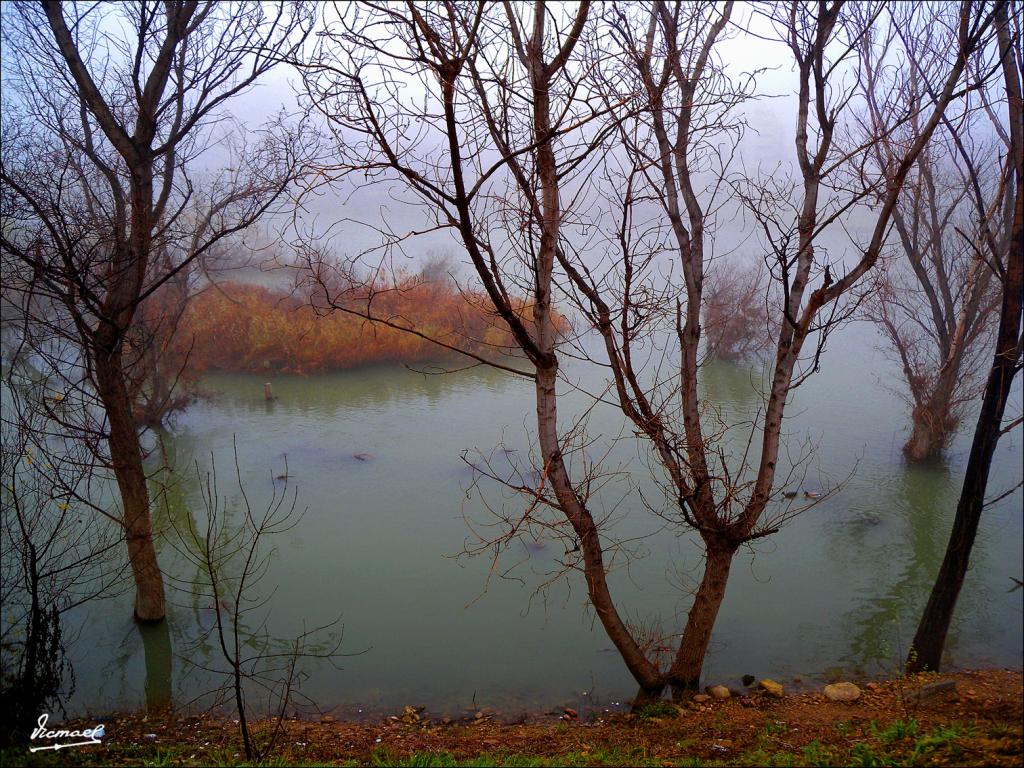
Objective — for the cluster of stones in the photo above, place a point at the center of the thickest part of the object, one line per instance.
(838, 692)
(843, 692)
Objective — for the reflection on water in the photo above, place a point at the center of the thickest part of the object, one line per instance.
(156, 645)
(902, 551)
(377, 458)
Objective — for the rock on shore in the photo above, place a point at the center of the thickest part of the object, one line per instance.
(842, 692)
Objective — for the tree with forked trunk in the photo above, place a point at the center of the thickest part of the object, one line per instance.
(115, 106)
(492, 115)
(672, 144)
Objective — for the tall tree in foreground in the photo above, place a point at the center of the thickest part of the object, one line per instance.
(509, 94)
(111, 108)
(930, 638)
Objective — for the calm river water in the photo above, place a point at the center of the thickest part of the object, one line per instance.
(839, 588)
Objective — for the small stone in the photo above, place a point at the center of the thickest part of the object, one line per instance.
(327, 719)
(872, 686)
(748, 680)
(842, 692)
(772, 688)
(411, 714)
(700, 698)
(719, 692)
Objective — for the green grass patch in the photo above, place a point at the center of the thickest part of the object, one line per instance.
(817, 754)
(657, 710)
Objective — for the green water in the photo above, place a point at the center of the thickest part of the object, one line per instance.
(380, 540)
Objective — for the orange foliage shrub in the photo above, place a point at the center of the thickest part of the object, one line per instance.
(242, 327)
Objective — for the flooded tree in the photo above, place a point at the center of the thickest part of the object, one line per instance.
(935, 299)
(116, 107)
(499, 141)
(737, 313)
(1007, 251)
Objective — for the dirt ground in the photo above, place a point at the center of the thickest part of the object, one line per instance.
(976, 723)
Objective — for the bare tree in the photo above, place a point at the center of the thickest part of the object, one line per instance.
(231, 554)
(516, 99)
(930, 638)
(733, 499)
(737, 311)
(115, 105)
(935, 301)
(503, 205)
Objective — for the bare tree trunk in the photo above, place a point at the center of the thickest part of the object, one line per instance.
(685, 672)
(549, 221)
(933, 422)
(119, 132)
(930, 639)
(126, 457)
(34, 643)
(643, 671)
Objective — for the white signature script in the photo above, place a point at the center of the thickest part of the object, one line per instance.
(90, 735)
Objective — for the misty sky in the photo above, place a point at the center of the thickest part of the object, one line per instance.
(768, 142)
(351, 214)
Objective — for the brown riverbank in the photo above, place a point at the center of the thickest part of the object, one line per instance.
(974, 720)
